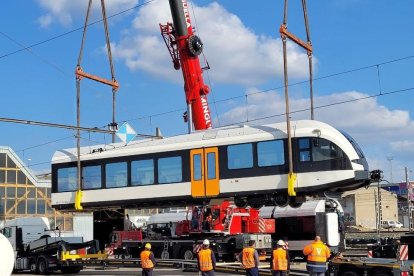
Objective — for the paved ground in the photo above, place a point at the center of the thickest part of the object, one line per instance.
(158, 272)
(130, 271)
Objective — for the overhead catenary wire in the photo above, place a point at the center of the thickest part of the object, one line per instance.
(272, 90)
(159, 114)
(73, 31)
(277, 115)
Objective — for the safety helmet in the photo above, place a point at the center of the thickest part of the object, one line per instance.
(206, 242)
(281, 243)
(148, 245)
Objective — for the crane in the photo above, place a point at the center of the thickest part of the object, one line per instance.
(185, 47)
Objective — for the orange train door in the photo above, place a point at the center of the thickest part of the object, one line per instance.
(204, 172)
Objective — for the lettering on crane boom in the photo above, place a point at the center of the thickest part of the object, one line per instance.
(206, 111)
(186, 13)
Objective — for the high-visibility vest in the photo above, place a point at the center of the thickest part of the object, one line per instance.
(248, 258)
(317, 252)
(145, 260)
(280, 261)
(204, 259)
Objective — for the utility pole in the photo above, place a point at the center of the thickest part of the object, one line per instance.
(390, 158)
(409, 203)
(378, 208)
(377, 223)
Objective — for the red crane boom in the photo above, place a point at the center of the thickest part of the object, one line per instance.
(184, 48)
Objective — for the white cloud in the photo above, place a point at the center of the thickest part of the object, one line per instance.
(235, 53)
(406, 146)
(45, 20)
(380, 131)
(66, 11)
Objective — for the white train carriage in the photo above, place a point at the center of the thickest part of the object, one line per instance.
(247, 163)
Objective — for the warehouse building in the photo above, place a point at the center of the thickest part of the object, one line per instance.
(361, 207)
(23, 194)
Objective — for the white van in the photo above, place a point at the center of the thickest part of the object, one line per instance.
(390, 224)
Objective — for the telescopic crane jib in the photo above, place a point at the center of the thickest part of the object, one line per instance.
(184, 48)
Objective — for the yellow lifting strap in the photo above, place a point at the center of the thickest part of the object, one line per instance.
(78, 200)
(291, 184)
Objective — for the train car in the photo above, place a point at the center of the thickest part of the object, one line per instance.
(246, 163)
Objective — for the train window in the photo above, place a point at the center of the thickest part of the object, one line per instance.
(197, 166)
(67, 179)
(211, 165)
(170, 170)
(326, 151)
(304, 150)
(142, 172)
(116, 175)
(91, 177)
(240, 156)
(270, 153)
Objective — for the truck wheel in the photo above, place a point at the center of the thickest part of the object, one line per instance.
(349, 273)
(187, 254)
(42, 266)
(165, 255)
(32, 266)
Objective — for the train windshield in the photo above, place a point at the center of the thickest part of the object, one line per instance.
(354, 144)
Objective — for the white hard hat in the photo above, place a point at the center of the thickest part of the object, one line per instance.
(281, 243)
(206, 242)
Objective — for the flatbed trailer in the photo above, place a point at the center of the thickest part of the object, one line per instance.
(370, 267)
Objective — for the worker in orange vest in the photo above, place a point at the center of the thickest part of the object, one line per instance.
(206, 260)
(147, 260)
(279, 260)
(318, 253)
(249, 258)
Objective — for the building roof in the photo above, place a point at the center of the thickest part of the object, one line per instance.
(41, 183)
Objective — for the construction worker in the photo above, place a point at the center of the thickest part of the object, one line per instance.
(279, 260)
(206, 260)
(249, 258)
(318, 253)
(147, 260)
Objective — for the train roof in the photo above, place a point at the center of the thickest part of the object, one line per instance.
(206, 138)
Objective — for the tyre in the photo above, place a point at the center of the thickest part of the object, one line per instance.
(42, 266)
(187, 254)
(165, 255)
(32, 266)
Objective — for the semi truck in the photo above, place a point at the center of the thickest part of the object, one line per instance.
(388, 260)
(39, 250)
(299, 226)
(179, 235)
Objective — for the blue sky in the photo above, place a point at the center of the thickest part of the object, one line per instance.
(242, 46)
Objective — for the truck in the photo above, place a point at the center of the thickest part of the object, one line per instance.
(180, 235)
(385, 262)
(299, 226)
(39, 250)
